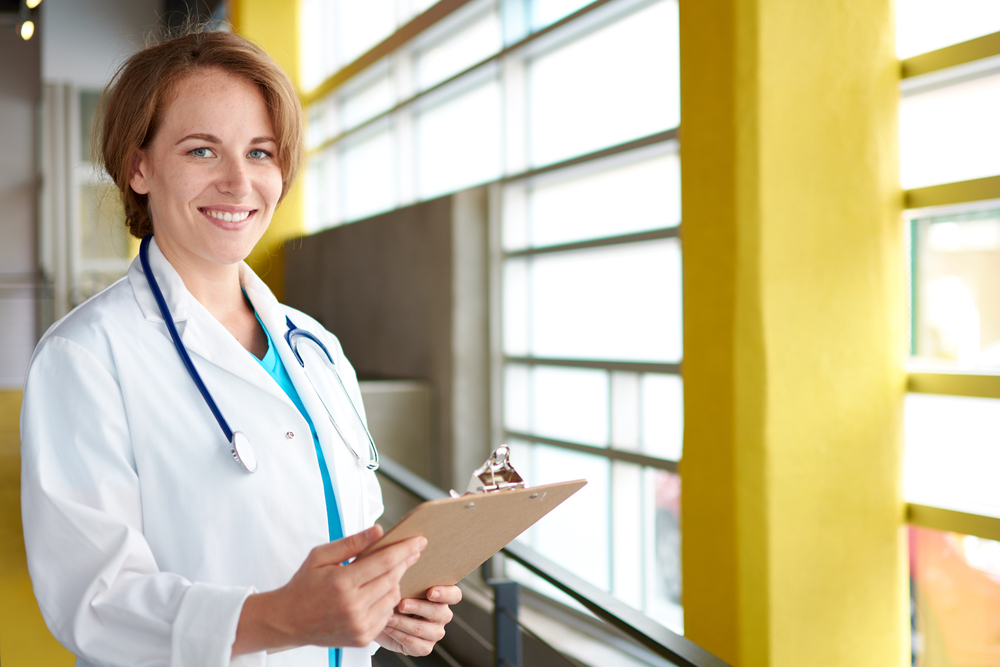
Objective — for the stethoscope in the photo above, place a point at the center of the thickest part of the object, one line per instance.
(242, 450)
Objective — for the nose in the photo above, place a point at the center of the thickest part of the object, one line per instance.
(234, 179)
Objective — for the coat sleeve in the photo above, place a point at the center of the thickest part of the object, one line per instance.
(94, 575)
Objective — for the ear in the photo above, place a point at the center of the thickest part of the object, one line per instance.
(139, 170)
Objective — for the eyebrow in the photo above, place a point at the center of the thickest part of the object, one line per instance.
(212, 139)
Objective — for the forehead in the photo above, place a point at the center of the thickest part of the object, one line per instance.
(216, 102)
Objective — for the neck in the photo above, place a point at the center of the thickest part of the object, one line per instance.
(215, 286)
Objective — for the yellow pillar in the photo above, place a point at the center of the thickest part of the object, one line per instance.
(794, 333)
(274, 24)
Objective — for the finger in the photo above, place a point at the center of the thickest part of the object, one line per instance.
(432, 611)
(346, 548)
(382, 608)
(445, 594)
(370, 567)
(417, 627)
(411, 644)
(387, 584)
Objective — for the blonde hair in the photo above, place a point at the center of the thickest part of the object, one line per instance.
(132, 106)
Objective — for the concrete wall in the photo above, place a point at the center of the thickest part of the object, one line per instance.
(405, 292)
(83, 41)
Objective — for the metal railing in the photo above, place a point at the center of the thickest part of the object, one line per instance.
(637, 626)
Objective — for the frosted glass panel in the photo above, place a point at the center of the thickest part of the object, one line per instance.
(550, 11)
(953, 452)
(362, 25)
(323, 122)
(322, 189)
(517, 399)
(570, 404)
(516, 306)
(561, 403)
(367, 169)
(458, 142)
(663, 549)
(611, 86)
(627, 505)
(367, 102)
(926, 25)
(316, 53)
(662, 415)
(956, 285)
(575, 534)
(950, 134)
(955, 583)
(619, 302)
(472, 44)
(625, 199)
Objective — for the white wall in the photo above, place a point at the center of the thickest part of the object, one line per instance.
(78, 42)
(83, 40)
(19, 89)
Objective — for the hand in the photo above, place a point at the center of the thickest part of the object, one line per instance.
(419, 624)
(326, 603)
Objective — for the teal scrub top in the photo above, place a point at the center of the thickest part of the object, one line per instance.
(276, 369)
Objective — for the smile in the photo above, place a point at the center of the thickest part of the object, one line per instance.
(226, 216)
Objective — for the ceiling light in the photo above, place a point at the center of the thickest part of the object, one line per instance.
(33, 3)
(27, 30)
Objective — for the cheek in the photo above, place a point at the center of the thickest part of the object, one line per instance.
(272, 188)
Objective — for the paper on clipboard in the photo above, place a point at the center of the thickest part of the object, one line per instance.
(463, 532)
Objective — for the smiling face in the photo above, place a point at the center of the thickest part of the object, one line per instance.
(210, 173)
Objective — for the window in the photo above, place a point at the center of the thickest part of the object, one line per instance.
(948, 144)
(569, 111)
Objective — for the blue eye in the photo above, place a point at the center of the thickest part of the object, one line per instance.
(258, 154)
(202, 152)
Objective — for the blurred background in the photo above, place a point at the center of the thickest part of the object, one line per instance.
(490, 219)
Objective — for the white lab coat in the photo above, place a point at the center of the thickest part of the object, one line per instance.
(144, 537)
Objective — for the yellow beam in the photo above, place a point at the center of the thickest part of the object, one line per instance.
(949, 56)
(964, 523)
(24, 639)
(274, 24)
(794, 301)
(978, 189)
(979, 385)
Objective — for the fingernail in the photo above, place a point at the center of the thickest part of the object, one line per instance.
(433, 595)
(404, 608)
(423, 543)
(414, 558)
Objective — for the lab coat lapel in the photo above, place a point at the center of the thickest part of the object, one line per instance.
(340, 460)
(200, 332)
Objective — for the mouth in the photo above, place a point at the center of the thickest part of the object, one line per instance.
(228, 219)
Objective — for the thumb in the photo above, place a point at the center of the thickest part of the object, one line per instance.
(347, 548)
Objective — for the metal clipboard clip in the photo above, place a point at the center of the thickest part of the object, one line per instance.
(497, 474)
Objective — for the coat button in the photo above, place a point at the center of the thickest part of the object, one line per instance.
(289, 435)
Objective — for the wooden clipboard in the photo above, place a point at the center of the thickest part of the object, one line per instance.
(463, 532)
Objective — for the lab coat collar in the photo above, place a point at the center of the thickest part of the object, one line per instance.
(174, 291)
(200, 332)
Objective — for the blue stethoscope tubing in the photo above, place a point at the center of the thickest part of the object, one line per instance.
(241, 449)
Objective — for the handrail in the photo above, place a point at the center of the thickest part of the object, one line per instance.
(634, 624)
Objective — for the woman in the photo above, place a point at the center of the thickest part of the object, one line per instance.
(147, 543)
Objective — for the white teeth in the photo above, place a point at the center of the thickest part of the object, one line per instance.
(228, 217)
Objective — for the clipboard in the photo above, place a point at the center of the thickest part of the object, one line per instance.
(464, 531)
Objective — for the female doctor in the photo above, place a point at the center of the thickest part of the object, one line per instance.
(155, 536)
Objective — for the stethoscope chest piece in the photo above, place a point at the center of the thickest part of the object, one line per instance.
(243, 451)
